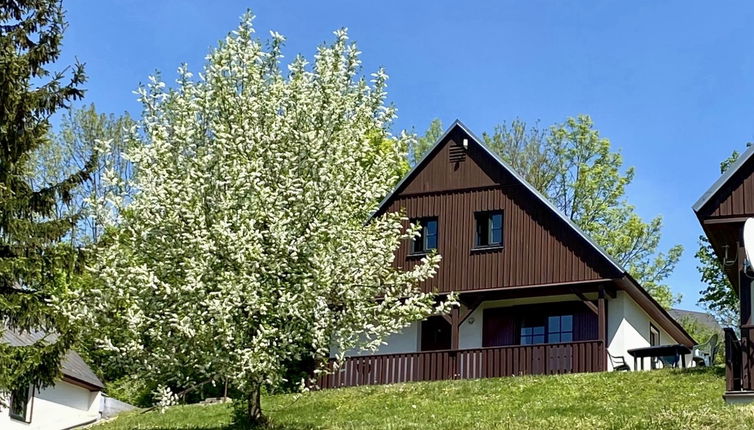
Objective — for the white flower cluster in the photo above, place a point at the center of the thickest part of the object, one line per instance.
(246, 248)
(164, 398)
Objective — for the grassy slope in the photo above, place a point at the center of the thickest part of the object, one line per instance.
(664, 399)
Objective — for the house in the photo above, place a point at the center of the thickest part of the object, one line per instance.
(722, 211)
(73, 401)
(537, 295)
(703, 320)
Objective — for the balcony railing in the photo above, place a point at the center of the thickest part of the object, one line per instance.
(572, 357)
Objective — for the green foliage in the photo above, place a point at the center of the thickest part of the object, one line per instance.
(527, 148)
(132, 390)
(702, 333)
(422, 144)
(661, 399)
(718, 295)
(575, 167)
(83, 133)
(34, 266)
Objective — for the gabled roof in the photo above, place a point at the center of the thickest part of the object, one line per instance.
(724, 178)
(630, 284)
(73, 366)
(504, 165)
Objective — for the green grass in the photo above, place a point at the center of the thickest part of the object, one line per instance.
(663, 399)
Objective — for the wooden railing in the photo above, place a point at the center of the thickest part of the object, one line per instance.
(572, 357)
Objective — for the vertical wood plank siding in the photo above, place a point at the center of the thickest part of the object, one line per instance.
(537, 249)
(538, 246)
(549, 359)
(736, 198)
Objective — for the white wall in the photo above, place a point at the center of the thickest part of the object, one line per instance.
(59, 407)
(628, 328)
(407, 340)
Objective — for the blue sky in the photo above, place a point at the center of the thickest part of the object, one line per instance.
(670, 83)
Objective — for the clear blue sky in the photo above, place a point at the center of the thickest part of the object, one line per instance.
(670, 83)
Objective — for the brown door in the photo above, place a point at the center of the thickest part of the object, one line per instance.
(435, 334)
(498, 327)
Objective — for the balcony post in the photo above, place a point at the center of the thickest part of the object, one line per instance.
(455, 323)
(602, 328)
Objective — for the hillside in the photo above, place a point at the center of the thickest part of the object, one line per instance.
(664, 399)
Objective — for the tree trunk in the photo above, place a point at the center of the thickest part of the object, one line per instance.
(255, 405)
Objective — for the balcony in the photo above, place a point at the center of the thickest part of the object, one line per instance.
(492, 362)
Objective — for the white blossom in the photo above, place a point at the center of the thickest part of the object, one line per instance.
(246, 245)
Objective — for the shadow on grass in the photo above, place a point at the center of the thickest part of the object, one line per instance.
(716, 370)
(270, 426)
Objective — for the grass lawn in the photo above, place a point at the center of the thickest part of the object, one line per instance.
(663, 399)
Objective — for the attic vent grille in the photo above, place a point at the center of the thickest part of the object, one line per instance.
(456, 153)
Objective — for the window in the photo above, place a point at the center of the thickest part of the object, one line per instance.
(427, 239)
(654, 335)
(532, 333)
(559, 328)
(549, 329)
(489, 229)
(19, 404)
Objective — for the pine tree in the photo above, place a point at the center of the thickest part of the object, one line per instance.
(34, 264)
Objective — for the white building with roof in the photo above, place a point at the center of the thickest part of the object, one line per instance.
(72, 402)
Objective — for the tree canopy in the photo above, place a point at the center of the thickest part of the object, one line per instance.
(34, 265)
(245, 245)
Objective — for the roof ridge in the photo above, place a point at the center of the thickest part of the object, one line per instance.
(503, 164)
(724, 178)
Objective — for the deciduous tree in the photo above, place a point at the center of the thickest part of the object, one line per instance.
(245, 246)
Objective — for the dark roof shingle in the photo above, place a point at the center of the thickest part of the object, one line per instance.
(72, 366)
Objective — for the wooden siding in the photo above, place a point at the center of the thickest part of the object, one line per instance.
(543, 359)
(439, 173)
(735, 198)
(537, 248)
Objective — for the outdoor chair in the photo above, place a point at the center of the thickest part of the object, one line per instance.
(704, 354)
(618, 363)
(669, 360)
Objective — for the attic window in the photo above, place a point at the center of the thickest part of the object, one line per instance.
(456, 153)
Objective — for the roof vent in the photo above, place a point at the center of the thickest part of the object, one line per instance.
(457, 153)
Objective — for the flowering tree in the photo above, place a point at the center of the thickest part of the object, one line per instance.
(245, 245)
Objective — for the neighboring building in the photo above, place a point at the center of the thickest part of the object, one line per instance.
(73, 401)
(703, 319)
(722, 211)
(537, 295)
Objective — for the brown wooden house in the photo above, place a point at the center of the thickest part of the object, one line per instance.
(722, 211)
(537, 295)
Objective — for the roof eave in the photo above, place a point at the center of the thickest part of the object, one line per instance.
(723, 179)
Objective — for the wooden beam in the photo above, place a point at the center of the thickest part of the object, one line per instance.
(724, 220)
(744, 289)
(541, 289)
(454, 327)
(448, 319)
(586, 301)
(470, 308)
(602, 326)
